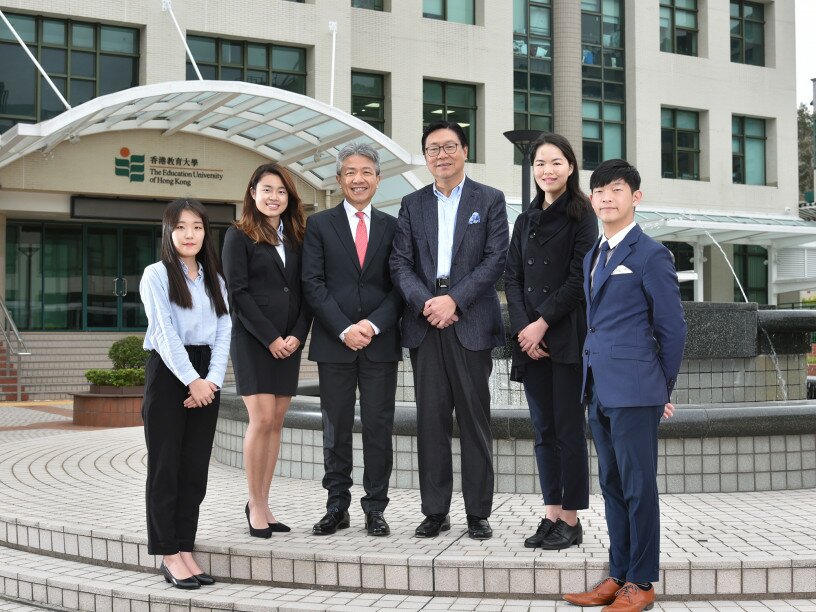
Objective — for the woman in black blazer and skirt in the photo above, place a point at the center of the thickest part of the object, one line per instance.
(188, 334)
(545, 298)
(270, 322)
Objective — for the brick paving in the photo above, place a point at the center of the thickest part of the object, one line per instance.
(79, 495)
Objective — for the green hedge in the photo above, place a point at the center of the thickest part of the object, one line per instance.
(128, 353)
(125, 377)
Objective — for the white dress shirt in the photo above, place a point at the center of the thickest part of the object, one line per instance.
(353, 219)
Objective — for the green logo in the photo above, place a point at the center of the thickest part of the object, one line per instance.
(131, 166)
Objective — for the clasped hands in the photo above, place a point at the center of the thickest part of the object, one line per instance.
(359, 335)
(202, 393)
(440, 311)
(284, 347)
(531, 339)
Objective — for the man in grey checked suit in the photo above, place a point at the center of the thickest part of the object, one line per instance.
(449, 250)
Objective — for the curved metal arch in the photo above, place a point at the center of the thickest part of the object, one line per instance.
(299, 132)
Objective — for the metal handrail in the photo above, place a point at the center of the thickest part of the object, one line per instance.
(19, 348)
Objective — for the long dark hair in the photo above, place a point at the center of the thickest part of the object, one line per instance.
(207, 256)
(254, 224)
(577, 201)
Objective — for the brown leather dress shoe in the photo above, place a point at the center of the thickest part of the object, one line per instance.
(602, 594)
(632, 598)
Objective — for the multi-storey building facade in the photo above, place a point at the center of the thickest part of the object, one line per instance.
(700, 95)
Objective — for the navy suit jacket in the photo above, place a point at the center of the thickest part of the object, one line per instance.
(636, 326)
(341, 292)
(480, 241)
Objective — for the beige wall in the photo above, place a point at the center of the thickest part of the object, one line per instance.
(409, 48)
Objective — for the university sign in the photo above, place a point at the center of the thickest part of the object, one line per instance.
(163, 169)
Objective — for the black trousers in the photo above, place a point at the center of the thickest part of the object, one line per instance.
(179, 443)
(449, 379)
(553, 395)
(338, 390)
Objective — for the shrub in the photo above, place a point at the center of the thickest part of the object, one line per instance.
(128, 353)
(123, 377)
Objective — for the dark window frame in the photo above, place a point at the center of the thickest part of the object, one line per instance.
(674, 29)
(603, 70)
(372, 5)
(739, 53)
(66, 77)
(532, 62)
(741, 139)
(676, 132)
(746, 258)
(446, 108)
(445, 12)
(358, 98)
(220, 66)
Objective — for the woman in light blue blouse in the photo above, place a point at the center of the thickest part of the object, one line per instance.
(188, 334)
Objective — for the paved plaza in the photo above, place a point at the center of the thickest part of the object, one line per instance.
(72, 535)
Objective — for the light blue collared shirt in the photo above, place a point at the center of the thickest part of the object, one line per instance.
(446, 209)
(170, 327)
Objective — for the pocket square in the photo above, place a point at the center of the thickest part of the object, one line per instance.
(474, 218)
(621, 270)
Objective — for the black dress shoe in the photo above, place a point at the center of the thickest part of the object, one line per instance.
(333, 520)
(376, 525)
(432, 525)
(204, 579)
(545, 527)
(563, 536)
(479, 528)
(257, 533)
(278, 527)
(180, 583)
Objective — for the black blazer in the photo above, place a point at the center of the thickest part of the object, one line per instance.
(342, 293)
(544, 278)
(265, 296)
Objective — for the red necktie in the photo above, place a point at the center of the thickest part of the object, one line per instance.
(361, 238)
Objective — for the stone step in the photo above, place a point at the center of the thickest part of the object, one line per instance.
(80, 496)
(33, 582)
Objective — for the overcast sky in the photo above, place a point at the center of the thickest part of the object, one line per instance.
(805, 50)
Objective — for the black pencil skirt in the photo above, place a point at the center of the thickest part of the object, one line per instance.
(179, 443)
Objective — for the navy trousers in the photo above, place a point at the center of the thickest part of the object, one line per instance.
(626, 442)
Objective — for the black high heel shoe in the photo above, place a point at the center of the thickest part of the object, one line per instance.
(278, 527)
(257, 533)
(204, 579)
(179, 583)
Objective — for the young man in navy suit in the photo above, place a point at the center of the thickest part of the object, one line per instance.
(632, 354)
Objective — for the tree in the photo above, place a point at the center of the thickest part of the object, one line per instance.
(807, 135)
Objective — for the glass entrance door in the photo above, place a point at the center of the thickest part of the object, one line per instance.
(114, 260)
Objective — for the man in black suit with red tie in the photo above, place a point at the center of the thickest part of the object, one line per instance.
(355, 337)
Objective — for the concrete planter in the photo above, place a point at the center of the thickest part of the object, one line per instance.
(107, 406)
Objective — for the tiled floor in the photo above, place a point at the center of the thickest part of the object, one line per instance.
(80, 493)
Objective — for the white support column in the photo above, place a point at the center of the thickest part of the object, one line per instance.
(772, 274)
(699, 261)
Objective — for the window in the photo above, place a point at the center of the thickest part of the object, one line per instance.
(680, 144)
(532, 66)
(368, 98)
(374, 5)
(452, 102)
(683, 254)
(751, 268)
(748, 150)
(460, 11)
(84, 60)
(747, 33)
(236, 60)
(678, 26)
(602, 59)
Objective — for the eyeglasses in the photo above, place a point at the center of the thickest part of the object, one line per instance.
(449, 148)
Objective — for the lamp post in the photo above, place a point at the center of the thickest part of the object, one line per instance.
(522, 139)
